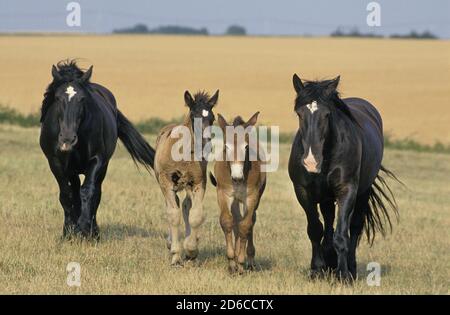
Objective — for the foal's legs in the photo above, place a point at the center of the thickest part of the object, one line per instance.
(226, 222)
(173, 214)
(196, 218)
(251, 246)
(186, 206)
(328, 212)
(315, 230)
(245, 228)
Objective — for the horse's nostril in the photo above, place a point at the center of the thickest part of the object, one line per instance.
(75, 138)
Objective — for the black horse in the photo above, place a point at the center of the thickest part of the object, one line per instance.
(80, 124)
(336, 159)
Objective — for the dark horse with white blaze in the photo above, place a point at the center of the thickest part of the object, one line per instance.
(80, 124)
(336, 159)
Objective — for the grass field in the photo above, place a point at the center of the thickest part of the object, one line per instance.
(132, 256)
(407, 80)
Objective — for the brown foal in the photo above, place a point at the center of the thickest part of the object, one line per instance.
(240, 184)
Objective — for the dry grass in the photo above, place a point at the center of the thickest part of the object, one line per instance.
(406, 79)
(132, 257)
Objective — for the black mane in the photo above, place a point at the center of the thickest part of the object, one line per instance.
(238, 121)
(201, 97)
(319, 91)
(68, 71)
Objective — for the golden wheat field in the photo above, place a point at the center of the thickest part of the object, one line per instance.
(407, 80)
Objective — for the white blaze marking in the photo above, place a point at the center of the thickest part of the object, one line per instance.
(312, 107)
(310, 162)
(237, 170)
(70, 91)
(205, 113)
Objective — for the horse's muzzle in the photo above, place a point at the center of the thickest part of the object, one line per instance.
(67, 144)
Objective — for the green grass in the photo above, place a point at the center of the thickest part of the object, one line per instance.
(153, 125)
(132, 256)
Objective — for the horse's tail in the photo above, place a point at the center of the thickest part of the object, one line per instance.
(135, 144)
(213, 179)
(381, 200)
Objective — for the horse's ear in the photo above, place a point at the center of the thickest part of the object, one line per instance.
(297, 82)
(87, 75)
(252, 121)
(188, 99)
(55, 73)
(332, 86)
(222, 122)
(213, 100)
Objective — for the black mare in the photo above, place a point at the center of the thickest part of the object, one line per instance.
(336, 160)
(80, 124)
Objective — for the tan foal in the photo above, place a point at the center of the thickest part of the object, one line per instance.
(189, 175)
(240, 183)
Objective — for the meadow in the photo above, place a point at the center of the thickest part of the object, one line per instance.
(406, 79)
(132, 257)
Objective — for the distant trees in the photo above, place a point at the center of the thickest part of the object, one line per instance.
(354, 32)
(168, 29)
(236, 30)
(413, 34)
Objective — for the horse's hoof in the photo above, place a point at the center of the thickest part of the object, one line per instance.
(191, 254)
(176, 261)
(315, 274)
(251, 265)
(232, 268)
(240, 268)
(345, 277)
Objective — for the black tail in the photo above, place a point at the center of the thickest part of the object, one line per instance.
(378, 216)
(213, 179)
(136, 145)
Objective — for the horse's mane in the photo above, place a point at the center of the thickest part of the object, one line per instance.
(238, 121)
(69, 71)
(201, 97)
(318, 90)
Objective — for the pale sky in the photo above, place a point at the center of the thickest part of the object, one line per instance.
(259, 17)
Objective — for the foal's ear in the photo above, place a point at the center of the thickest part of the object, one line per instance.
(87, 75)
(252, 121)
(332, 86)
(55, 73)
(213, 100)
(188, 99)
(297, 82)
(222, 122)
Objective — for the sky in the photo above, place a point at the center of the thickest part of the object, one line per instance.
(259, 17)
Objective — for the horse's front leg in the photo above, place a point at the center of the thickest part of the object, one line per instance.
(341, 240)
(196, 218)
(69, 196)
(314, 229)
(90, 194)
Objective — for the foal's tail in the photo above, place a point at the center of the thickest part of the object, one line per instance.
(135, 144)
(378, 215)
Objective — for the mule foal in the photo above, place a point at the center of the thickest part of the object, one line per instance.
(239, 181)
(188, 173)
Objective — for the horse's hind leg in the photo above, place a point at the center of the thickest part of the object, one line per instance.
(195, 220)
(328, 212)
(356, 227)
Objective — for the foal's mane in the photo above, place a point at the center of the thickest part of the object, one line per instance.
(69, 71)
(319, 91)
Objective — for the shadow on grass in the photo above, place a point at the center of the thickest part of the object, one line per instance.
(119, 231)
(209, 253)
